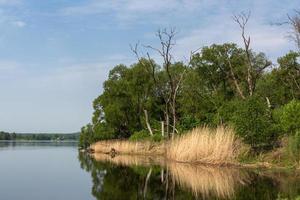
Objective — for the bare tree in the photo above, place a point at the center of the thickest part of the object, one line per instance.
(233, 76)
(169, 94)
(294, 21)
(254, 70)
(166, 39)
(242, 20)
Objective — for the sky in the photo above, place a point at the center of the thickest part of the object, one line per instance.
(56, 54)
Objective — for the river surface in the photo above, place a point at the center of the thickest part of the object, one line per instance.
(57, 171)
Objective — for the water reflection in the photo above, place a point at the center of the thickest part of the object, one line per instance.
(208, 182)
(142, 177)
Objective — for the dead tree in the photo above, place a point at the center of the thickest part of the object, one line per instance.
(152, 72)
(253, 71)
(232, 75)
(242, 20)
(170, 91)
(167, 42)
(166, 39)
(294, 21)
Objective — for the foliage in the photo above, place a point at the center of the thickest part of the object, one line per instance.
(294, 146)
(290, 117)
(86, 136)
(252, 121)
(140, 135)
(144, 135)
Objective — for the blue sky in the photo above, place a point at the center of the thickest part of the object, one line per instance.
(55, 54)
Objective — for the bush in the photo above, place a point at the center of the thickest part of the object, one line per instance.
(102, 132)
(253, 122)
(188, 122)
(225, 112)
(140, 135)
(157, 137)
(294, 146)
(86, 136)
(289, 117)
(144, 135)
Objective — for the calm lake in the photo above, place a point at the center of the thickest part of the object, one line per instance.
(57, 171)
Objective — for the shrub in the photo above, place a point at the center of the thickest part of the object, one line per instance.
(289, 117)
(253, 122)
(140, 135)
(144, 135)
(294, 147)
(188, 122)
(103, 132)
(157, 137)
(225, 112)
(86, 136)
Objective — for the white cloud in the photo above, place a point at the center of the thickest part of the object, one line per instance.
(133, 10)
(221, 29)
(96, 7)
(19, 24)
(10, 2)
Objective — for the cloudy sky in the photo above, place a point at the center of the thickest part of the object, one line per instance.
(55, 54)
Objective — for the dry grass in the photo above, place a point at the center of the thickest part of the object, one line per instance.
(205, 145)
(202, 145)
(206, 181)
(128, 147)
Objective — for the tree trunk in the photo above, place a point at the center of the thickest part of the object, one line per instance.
(167, 120)
(235, 80)
(174, 116)
(147, 123)
(162, 128)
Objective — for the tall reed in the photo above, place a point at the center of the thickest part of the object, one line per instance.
(204, 145)
(200, 145)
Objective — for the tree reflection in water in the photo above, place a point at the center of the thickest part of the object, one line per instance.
(142, 177)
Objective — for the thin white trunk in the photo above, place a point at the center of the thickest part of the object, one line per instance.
(162, 128)
(147, 123)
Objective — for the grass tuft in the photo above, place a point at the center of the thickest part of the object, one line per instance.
(205, 145)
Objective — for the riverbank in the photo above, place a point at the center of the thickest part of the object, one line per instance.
(218, 147)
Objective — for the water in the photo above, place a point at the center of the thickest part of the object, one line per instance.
(42, 171)
(56, 171)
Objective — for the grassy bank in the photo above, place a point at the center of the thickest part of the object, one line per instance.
(204, 145)
(201, 145)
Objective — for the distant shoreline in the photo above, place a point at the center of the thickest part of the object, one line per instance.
(41, 141)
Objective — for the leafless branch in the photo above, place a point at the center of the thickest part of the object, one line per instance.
(242, 20)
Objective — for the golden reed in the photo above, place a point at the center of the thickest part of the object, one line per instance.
(201, 145)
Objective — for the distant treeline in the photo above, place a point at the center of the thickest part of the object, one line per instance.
(38, 136)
